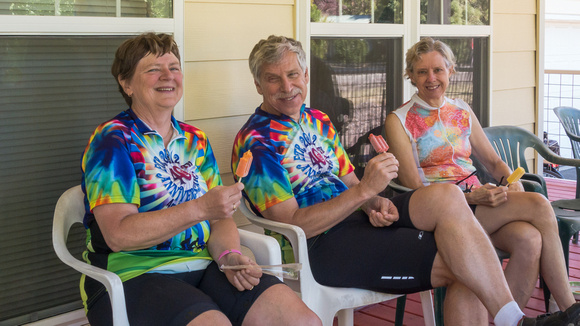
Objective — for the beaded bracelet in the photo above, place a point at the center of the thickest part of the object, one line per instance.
(228, 251)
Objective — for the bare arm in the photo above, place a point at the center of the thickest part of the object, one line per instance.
(224, 236)
(483, 151)
(125, 228)
(400, 146)
(322, 216)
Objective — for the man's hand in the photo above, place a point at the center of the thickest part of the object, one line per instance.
(380, 170)
(488, 195)
(381, 212)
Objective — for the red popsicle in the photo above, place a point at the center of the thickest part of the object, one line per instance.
(244, 165)
(379, 143)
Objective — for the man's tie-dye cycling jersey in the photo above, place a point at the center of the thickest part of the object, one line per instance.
(302, 159)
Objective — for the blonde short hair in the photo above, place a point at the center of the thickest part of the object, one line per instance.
(427, 45)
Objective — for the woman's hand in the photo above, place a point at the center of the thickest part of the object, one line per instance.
(516, 186)
(381, 212)
(488, 195)
(221, 202)
(241, 279)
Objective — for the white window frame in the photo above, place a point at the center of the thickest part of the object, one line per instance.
(410, 31)
(102, 26)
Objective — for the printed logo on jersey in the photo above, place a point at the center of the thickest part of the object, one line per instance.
(308, 150)
(180, 180)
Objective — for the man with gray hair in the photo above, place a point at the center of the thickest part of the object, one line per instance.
(302, 175)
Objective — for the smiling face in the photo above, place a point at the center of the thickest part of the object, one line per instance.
(156, 84)
(283, 86)
(431, 76)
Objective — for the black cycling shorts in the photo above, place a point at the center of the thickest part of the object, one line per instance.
(176, 299)
(395, 259)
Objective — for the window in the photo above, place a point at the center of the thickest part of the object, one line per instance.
(360, 11)
(455, 12)
(356, 81)
(55, 88)
(357, 53)
(98, 8)
(469, 82)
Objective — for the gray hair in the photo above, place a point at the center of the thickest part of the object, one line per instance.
(427, 45)
(272, 50)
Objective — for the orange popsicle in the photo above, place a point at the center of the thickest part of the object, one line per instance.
(244, 165)
(379, 143)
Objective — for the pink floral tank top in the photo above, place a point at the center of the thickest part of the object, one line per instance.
(440, 140)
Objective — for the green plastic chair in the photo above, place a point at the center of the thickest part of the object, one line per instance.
(570, 119)
(510, 143)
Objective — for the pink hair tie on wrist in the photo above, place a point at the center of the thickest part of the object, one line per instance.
(228, 251)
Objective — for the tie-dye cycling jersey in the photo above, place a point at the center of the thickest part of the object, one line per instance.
(126, 162)
(291, 159)
(440, 140)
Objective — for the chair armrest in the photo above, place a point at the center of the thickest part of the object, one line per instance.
(534, 183)
(293, 233)
(398, 188)
(265, 249)
(110, 280)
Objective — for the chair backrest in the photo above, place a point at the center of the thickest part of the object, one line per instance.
(570, 119)
(510, 144)
(70, 209)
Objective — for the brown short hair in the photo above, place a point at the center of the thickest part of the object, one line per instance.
(134, 49)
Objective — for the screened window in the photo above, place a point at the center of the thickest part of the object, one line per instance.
(469, 82)
(455, 12)
(356, 81)
(99, 8)
(53, 92)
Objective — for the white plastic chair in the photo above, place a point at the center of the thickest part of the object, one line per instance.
(328, 301)
(70, 209)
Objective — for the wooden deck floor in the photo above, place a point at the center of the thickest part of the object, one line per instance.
(383, 314)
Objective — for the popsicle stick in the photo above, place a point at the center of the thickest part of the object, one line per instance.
(289, 271)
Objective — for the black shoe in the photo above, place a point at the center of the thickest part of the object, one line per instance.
(570, 317)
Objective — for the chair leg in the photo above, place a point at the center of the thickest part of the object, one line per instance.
(427, 305)
(400, 312)
(439, 299)
(575, 238)
(345, 317)
(547, 293)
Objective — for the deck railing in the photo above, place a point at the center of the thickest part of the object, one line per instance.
(561, 88)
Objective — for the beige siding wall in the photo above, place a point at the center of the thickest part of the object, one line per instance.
(218, 38)
(219, 89)
(514, 63)
(514, 69)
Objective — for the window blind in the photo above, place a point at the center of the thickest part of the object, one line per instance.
(54, 91)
